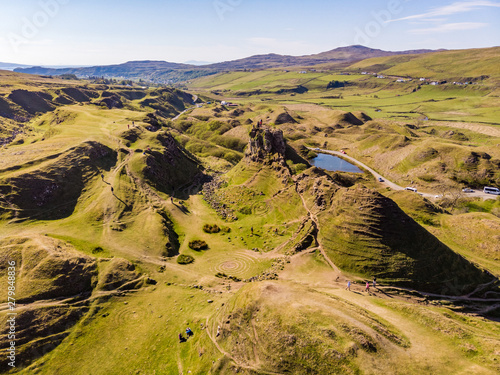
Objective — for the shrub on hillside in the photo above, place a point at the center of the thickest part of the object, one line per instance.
(208, 228)
(198, 245)
(214, 228)
(185, 259)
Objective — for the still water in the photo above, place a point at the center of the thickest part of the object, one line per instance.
(334, 163)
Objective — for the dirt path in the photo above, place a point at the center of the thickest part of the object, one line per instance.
(424, 347)
(239, 364)
(315, 220)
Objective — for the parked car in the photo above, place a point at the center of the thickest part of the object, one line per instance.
(380, 179)
(467, 190)
(411, 189)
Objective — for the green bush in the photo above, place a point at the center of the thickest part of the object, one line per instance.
(208, 228)
(185, 259)
(198, 245)
(245, 210)
(97, 250)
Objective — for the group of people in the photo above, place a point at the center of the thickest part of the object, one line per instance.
(367, 285)
(189, 333)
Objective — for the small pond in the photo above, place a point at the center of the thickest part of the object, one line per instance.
(333, 163)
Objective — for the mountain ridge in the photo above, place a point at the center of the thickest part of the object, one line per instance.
(163, 71)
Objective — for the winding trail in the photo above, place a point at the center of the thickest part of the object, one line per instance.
(239, 364)
(315, 220)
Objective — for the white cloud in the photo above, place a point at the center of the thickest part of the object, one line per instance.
(450, 27)
(447, 10)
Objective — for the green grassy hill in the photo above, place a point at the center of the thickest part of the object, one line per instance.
(460, 65)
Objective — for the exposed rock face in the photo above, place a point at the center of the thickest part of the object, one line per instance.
(266, 145)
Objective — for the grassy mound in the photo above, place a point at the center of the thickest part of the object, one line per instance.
(52, 191)
(273, 327)
(32, 102)
(370, 235)
(48, 268)
(171, 167)
(117, 273)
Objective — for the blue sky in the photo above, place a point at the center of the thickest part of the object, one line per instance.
(90, 32)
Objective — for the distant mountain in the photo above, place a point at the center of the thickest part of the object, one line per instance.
(11, 66)
(162, 71)
(339, 55)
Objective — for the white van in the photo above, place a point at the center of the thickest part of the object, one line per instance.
(411, 189)
(491, 190)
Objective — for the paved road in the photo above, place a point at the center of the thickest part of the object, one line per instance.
(391, 184)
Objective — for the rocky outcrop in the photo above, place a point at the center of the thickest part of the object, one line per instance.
(266, 145)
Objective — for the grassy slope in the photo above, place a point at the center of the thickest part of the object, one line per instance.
(439, 65)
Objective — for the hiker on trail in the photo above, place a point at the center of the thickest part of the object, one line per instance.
(128, 126)
(218, 331)
(348, 285)
(189, 332)
(102, 176)
(374, 282)
(112, 190)
(367, 289)
(181, 338)
(251, 230)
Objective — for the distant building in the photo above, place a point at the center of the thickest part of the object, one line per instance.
(423, 79)
(434, 83)
(381, 77)
(303, 72)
